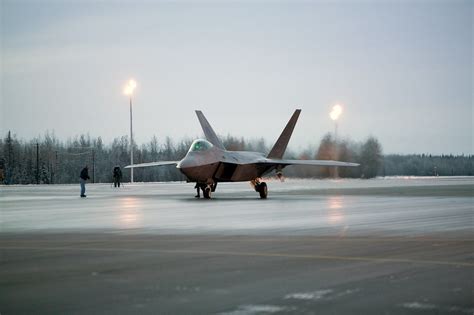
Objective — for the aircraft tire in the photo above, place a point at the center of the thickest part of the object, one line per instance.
(257, 187)
(263, 190)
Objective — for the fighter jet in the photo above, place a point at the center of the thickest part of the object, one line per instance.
(208, 162)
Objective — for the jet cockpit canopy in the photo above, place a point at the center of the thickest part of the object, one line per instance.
(200, 145)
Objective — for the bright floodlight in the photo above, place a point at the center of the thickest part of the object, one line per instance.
(336, 112)
(131, 85)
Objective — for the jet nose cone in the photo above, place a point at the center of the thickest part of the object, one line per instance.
(184, 163)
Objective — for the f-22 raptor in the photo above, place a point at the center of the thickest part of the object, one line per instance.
(208, 162)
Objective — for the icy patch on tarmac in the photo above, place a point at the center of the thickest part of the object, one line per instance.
(320, 294)
(419, 306)
(170, 208)
(258, 309)
(427, 306)
(315, 295)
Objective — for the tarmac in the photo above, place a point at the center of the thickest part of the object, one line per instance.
(385, 246)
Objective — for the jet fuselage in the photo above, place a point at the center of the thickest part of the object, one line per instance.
(220, 165)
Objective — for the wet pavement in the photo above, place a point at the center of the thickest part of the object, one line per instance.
(391, 246)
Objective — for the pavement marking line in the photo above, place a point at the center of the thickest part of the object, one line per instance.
(207, 252)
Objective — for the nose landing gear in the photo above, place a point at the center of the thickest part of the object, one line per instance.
(207, 189)
(207, 192)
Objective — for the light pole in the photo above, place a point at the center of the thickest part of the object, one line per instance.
(128, 90)
(334, 114)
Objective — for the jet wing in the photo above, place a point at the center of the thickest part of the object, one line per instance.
(152, 164)
(284, 162)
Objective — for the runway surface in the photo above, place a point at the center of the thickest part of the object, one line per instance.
(383, 246)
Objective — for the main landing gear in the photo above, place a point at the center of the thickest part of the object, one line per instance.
(260, 187)
(207, 190)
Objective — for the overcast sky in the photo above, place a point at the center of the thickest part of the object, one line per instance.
(401, 69)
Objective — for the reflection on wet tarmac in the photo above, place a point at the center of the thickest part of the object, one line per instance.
(335, 214)
(130, 214)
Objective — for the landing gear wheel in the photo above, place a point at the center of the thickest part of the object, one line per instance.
(262, 190)
(207, 192)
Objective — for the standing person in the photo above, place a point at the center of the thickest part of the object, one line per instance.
(82, 179)
(117, 176)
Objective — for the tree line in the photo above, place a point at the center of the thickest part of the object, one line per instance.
(47, 160)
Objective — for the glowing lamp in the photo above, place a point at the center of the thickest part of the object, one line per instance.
(130, 87)
(336, 112)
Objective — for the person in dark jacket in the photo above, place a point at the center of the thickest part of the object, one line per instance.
(117, 176)
(82, 179)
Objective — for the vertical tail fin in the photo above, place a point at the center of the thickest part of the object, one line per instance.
(280, 146)
(208, 131)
